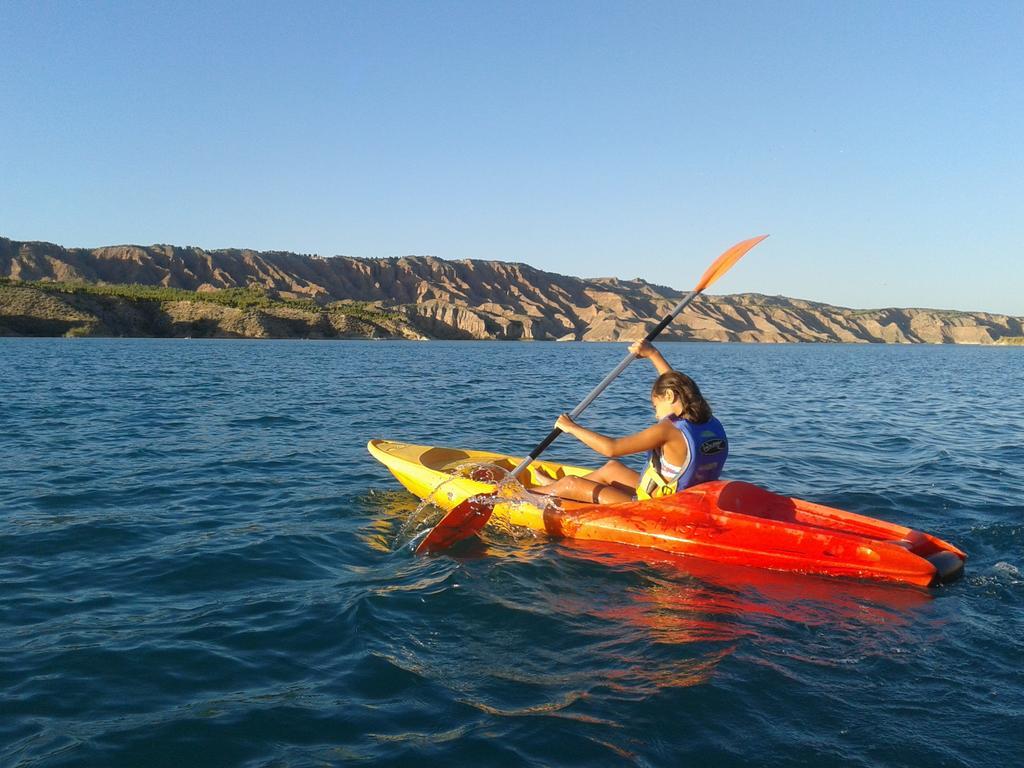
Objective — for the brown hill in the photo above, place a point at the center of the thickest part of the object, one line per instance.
(423, 296)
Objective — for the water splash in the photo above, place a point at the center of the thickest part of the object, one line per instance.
(508, 490)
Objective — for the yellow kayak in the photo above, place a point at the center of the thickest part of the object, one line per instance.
(434, 473)
(724, 520)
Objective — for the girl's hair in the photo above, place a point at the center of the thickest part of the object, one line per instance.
(695, 407)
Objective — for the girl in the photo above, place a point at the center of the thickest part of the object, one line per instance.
(687, 445)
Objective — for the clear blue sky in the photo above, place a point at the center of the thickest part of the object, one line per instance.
(881, 144)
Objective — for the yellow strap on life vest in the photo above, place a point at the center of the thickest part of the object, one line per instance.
(652, 485)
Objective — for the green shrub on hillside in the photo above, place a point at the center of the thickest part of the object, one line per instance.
(250, 297)
(238, 298)
(363, 311)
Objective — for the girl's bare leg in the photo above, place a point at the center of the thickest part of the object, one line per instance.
(612, 483)
(616, 473)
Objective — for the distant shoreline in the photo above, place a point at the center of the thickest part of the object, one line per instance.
(175, 292)
(389, 341)
(50, 309)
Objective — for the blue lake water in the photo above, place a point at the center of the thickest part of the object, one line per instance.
(199, 567)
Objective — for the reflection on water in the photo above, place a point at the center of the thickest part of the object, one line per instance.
(669, 600)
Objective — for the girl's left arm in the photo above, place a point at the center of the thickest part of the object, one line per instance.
(653, 437)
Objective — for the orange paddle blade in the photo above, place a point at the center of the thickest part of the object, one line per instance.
(465, 520)
(724, 262)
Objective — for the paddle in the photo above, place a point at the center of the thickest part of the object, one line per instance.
(471, 516)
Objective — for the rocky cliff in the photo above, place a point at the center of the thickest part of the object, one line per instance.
(417, 296)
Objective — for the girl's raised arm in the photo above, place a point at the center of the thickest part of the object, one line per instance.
(646, 349)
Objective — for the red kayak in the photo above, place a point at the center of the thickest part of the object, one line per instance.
(743, 524)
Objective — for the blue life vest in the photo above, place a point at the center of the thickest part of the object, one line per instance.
(708, 449)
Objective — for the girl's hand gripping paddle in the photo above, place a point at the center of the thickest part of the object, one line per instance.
(469, 517)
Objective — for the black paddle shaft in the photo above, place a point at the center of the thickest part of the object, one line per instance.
(585, 403)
